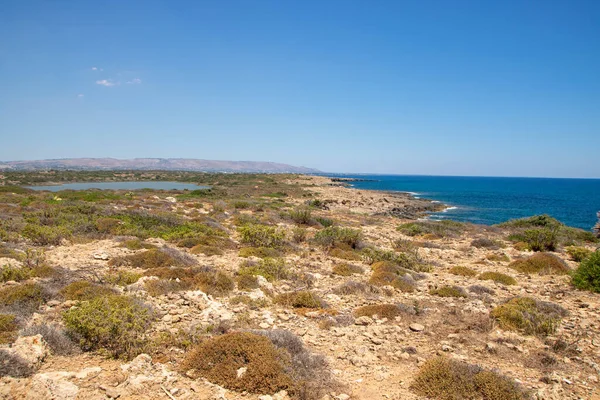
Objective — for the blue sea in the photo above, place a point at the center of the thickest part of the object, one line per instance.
(487, 200)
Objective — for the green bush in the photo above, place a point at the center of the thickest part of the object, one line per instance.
(441, 378)
(335, 236)
(587, 275)
(498, 277)
(272, 269)
(541, 263)
(538, 239)
(247, 282)
(530, 316)
(578, 253)
(302, 216)
(122, 278)
(43, 235)
(261, 235)
(410, 261)
(113, 324)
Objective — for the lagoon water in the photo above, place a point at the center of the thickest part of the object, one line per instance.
(132, 185)
(491, 200)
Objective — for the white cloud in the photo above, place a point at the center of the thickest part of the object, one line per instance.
(106, 82)
(80, 95)
(94, 69)
(135, 81)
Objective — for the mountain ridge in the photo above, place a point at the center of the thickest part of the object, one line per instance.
(168, 164)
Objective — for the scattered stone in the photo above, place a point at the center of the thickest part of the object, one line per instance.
(416, 327)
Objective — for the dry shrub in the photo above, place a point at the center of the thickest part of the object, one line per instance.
(345, 254)
(479, 289)
(154, 258)
(441, 378)
(346, 269)
(300, 299)
(498, 277)
(13, 365)
(308, 370)
(160, 287)
(529, 316)
(336, 236)
(249, 301)
(122, 277)
(485, 243)
(22, 299)
(137, 244)
(247, 282)
(541, 263)
(218, 360)
(8, 328)
(498, 257)
(84, 290)
(389, 311)
(449, 291)
(462, 271)
(353, 287)
(55, 337)
(207, 279)
(387, 273)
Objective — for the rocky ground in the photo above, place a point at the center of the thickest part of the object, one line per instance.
(369, 357)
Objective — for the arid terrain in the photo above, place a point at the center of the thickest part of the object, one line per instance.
(287, 286)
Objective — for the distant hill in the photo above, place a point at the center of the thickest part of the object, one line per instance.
(166, 164)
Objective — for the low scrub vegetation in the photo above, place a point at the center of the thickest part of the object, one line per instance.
(300, 299)
(272, 269)
(22, 299)
(8, 328)
(449, 291)
(441, 378)
(261, 235)
(260, 252)
(57, 339)
(85, 290)
(346, 269)
(389, 311)
(115, 325)
(386, 273)
(577, 253)
(335, 236)
(587, 275)
(497, 277)
(272, 361)
(486, 243)
(529, 316)
(544, 233)
(462, 271)
(154, 258)
(541, 263)
(441, 229)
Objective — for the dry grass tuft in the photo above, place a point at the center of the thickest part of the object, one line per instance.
(462, 271)
(449, 291)
(389, 311)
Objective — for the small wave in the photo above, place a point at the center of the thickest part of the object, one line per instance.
(449, 208)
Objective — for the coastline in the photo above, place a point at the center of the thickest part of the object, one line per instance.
(399, 204)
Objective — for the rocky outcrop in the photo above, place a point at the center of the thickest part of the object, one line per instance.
(597, 227)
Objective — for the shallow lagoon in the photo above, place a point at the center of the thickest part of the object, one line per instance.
(133, 185)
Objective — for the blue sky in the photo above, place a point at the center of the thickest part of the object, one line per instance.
(508, 88)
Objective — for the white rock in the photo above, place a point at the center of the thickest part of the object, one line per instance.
(52, 385)
(32, 349)
(171, 199)
(101, 256)
(416, 327)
